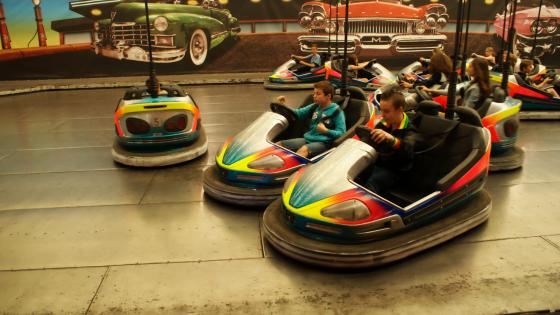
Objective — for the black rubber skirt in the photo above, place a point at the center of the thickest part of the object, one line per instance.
(354, 256)
(287, 86)
(507, 161)
(217, 188)
(161, 158)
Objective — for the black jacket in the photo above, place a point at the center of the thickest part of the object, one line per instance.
(398, 156)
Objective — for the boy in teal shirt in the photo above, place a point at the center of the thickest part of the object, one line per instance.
(327, 123)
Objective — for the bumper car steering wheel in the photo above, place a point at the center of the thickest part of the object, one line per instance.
(364, 133)
(285, 111)
(424, 96)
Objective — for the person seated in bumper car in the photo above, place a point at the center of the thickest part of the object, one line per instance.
(426, 73)
(354, 67)
(327, 123)
(499, 66)
(394, 141)
(489, 56)
(310, 61)
(478, 88)
(526, 67)
(440, 67)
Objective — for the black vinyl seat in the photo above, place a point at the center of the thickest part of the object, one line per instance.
(444, 151)
(354, 106)
(524, 84)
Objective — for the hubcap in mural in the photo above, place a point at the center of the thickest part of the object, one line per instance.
(198, 47)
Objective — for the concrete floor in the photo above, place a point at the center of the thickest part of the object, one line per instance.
(80, 234)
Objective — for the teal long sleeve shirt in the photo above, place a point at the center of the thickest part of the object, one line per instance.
(335, 122)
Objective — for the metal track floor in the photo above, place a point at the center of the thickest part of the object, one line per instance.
(80, 234)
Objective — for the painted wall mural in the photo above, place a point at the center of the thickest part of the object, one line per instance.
(89, 38)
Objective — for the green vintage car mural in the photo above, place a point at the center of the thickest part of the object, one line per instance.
(179, 31)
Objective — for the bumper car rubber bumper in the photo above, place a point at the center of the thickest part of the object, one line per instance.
(217, 188)
(287, 86)
(539, 115)
(507, 161)
(375, 253)
(161, 158)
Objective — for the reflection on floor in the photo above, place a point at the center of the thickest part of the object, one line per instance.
(80, 234)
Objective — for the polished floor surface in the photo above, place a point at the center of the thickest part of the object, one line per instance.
(80, 234)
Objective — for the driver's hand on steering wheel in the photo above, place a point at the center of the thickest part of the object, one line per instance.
(425, 89)
(406, 85)
(321, 128)
(379, 136)
(281, 99)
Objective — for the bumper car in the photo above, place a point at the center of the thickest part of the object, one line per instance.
(292, 76)
(373, 76)
(500, 115)
(251, 168)
(537, 104)
(327, 217)
(157, 131)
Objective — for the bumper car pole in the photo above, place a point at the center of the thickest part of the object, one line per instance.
(453, 80)
(345, 58)
(336, 28)
(465, 45)
(336, 39)
(511, 37)
(152, 83)
(536, 33)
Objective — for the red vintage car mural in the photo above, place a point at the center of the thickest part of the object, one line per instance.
(385, 27)
(546, 29)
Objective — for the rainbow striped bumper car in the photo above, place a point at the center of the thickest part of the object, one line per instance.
(292, 76)
(327, 217)
(500, 115)
(370, 78)
(537, 104)
(157, 131)
(251, 168)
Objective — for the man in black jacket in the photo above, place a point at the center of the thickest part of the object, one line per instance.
(394, 141)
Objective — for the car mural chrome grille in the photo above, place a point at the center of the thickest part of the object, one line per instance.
(380, 27)
(132, 34)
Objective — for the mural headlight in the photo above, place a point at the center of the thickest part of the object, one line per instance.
(318, 21)
(420, 28)
(552, 26)
(331, 28)
(349, 210)
(305, 21)
(442, 20)
(161, 23)
(431, 21)
(537, 27)
(95, 12)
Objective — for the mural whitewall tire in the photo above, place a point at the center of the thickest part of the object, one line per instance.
(198, 47)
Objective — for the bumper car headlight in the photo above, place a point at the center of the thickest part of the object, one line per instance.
(420, 28)
(161, 23)
(176, 123)
(269, 162)
(137, 126)
(350, 210)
